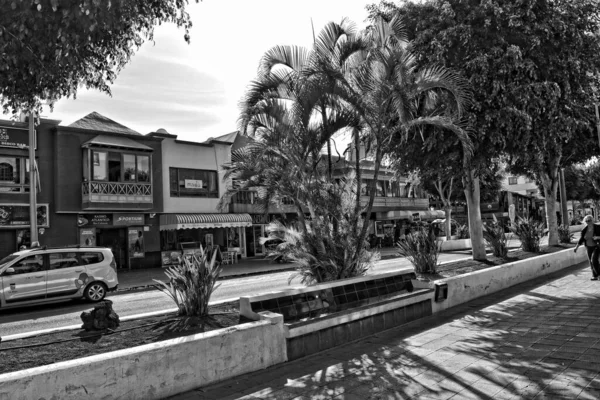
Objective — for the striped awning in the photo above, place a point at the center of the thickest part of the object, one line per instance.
(194, 221)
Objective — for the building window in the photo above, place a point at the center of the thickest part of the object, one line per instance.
(14, 175)
(185, 182)
(120, 167)
(512, 180)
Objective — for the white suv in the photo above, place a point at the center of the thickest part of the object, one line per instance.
(43, 275)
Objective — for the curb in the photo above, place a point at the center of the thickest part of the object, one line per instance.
(25, 335)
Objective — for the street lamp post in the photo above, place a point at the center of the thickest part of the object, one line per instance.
(32, 181)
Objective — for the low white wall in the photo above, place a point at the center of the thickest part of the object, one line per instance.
(156, 370)
(454, 244)
(466, 287)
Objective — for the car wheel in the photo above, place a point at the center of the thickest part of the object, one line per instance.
(95, 291)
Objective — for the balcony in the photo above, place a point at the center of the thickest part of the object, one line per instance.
(116, 195)
(396, 203)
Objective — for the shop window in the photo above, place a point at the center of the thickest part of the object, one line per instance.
(14, 174)
(185, 182)
(120, 167)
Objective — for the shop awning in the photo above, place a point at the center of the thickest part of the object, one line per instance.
(115, 142)
(194, 221)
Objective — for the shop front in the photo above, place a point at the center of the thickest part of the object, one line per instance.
(15, 223)
(130, 236)
(258, 229)
(185, 233)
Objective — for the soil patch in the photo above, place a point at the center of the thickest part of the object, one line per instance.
(67, 345)
(466, 266)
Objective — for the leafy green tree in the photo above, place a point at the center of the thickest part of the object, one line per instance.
(532, 64)
(49, 48)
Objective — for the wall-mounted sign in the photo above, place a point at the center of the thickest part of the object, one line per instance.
(87, 236)
(14, 137)
(258, 219)
(128, 219)
(17, 216)
(94, 220)
(193, 184)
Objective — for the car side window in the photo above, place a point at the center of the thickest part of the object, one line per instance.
(63, 260)
(91, 258)
(28, 264)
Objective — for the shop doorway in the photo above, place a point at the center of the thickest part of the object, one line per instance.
(253, 235)
(116, 240)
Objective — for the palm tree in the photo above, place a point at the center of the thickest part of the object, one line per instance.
(393, 96)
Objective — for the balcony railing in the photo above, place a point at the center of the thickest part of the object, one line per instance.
(397, 203)
(117, 193)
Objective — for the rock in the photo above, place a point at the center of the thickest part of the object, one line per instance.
(100, 318)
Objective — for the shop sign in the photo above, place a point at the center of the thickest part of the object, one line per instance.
(258, 219)
(128, 219)
(14, 137)
(17, 216)
(193, 184)
(135, 236)
(94, 220)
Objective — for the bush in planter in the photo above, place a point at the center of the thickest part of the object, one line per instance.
(493, 234)
(564, 234)
(462, 232)
(529, 233)
(192, 282)
(421, 249)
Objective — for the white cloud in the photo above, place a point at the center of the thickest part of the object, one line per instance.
(193, 90)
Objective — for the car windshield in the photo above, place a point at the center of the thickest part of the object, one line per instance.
(7, 259)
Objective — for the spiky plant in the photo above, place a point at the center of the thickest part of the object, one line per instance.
(529, 232)
(493, 234)
(192, 282)
(421, 249)
(564, 234)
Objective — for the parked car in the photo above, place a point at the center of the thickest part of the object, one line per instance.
(48, 275)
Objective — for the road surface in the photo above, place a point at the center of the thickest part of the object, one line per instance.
(35, 318)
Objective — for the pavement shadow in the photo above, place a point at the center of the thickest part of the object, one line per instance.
(540, 338)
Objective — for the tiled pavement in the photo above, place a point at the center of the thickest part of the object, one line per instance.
(537, 340)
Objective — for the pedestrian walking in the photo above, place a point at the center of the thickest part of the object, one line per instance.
(590, 236)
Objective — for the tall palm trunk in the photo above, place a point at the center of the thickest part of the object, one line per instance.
(372, 190)
(474, 212)
(358, 172)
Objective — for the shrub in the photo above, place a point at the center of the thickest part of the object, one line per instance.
(192, 283)
(529, 233)
(564, 234)
(421, 249)
(493, 234)
(462, 232)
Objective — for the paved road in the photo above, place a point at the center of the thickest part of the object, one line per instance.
(131, 303)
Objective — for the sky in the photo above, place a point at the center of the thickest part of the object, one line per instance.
(193, 90)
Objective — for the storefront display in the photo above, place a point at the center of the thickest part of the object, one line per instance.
(17, 216)
(135, 237)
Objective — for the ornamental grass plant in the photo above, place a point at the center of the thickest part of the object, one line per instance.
(529, 232)
(564, 234)
(421, 249)
(192, 282)
(493, 234)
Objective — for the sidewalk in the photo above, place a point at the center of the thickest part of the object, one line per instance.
(537, 340)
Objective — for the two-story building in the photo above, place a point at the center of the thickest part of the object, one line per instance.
(193, 177)
(101, 184)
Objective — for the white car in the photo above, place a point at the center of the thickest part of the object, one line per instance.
(45, 275)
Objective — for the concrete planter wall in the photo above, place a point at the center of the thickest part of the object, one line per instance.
(454, 245)
(156, 370)
(466, 287)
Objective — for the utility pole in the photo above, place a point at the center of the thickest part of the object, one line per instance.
(32, 182)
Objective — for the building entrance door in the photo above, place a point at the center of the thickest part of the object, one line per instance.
(116, 240)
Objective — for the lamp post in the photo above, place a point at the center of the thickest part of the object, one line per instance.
(32, 182)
